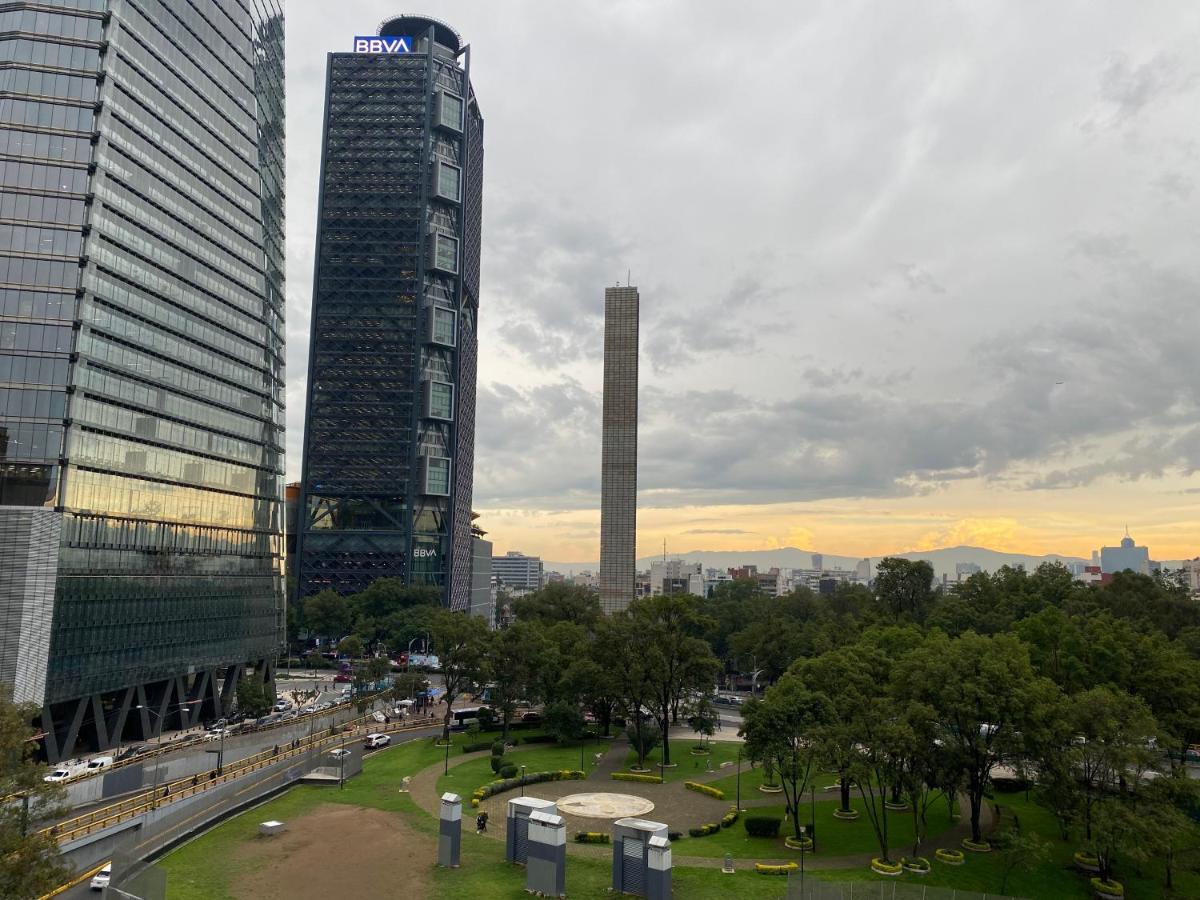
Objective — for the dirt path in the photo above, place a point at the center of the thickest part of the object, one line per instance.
(336, 851)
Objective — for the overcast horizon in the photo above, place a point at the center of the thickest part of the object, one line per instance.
(912, 275)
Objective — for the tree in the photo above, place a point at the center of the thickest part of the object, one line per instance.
(512, 657)
(252, 698)
(1019, 850)
(30, 864)
(840, 675)
(683, 662)
(559, 602)
(780, 732)
(564, 721)
(904, 587)
(704, 719)
(327, 614)
(983, 692)
(460, 642)
(350, 646)
(1110, 739)
(628, 651)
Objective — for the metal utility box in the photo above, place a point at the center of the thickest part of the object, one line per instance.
(516, 837)
(631, 861)
(546, 863)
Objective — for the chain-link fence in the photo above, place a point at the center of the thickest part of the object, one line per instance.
(810, 888)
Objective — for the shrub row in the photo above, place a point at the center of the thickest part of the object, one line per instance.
(540, 739)
(704, 789)
(762, 826)
(764, 869)
(729, 818)
(705, 830)
(592, 837)
(673, 836)
(632, 776)
(507, 784)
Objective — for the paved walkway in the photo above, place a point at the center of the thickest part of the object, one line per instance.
(687, 809)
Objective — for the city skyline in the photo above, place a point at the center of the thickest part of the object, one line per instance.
(939, 326)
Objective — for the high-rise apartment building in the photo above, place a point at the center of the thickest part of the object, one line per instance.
(390, 426)
(141, 360)
(618, 459)
(1127, 556)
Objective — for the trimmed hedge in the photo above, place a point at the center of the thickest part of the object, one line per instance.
(883, 867)
(1111, 888)
(508, 771)
(764, 869)
(540, 739)
(476, 747)
(673, 836)
(704, 789)
(981, 847)
(507, 784)
(632, 776)
(705, 830)
(762, 826)
(951, 857)
(729, 818)
(592, 837)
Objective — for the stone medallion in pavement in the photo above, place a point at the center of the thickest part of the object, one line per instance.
(604, 806)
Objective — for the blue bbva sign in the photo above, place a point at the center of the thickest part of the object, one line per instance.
(372, 43)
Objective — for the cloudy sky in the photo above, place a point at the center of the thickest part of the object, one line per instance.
(912, 274)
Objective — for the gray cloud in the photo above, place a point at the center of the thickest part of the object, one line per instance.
(867, 288)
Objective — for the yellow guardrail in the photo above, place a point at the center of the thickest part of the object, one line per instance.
(77, 880)
(182, 788)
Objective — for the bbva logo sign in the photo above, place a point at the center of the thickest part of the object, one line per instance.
(373, 44)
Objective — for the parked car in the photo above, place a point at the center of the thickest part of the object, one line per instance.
(532, 717)
(282, 705)
(376, 740)
(217, 733)
(343, 677)
(99, 762)
(62, 773)
(339, 753)
(101, 879)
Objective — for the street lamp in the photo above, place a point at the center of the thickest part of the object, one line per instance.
(739, 779)
(522, 781)
(161, 716)
(802, 842)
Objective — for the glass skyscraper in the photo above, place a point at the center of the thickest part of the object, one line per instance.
(618, 451)
(141, 360)
(390, 425)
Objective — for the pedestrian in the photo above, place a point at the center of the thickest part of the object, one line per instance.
(481, 823)
(166, 790)
(275, 752)
(195, 780)
(212, 776)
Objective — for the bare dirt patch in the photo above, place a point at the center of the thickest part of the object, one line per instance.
(335, 851)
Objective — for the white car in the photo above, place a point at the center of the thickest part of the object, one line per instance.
(339, 752)
(101, 879)
(60, 774)
(216, 734)
(376, 740)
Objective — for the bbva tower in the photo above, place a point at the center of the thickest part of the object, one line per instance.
(390, 425)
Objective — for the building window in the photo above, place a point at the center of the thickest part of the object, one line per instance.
(437, 476)
(450, 110)
(449, 181)
(439, 400)
(445, 253)
(442, 325)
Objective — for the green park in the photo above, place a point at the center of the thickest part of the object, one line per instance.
(1021, 734)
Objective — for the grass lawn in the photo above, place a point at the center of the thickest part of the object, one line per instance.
(752, 778)
(465, 778)
(834, 837)
(687, 767)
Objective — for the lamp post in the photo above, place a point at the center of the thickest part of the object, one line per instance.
(812, 797)
(522, 781)
(446, 769)
(158, 753)
(739, 779)
(802, 831)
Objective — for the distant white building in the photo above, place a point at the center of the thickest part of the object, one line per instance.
(1127, 556)
(517, 572)
(964, 570)
(676, 576)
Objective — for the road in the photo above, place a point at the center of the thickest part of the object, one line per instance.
(254, 784)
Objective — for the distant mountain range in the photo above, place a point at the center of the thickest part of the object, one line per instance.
(943, 560)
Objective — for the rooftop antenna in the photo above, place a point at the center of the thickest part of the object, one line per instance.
(628, 277)
(664, 550)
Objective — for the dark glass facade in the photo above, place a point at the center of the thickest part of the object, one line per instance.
(141, 353)
(389, 430)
